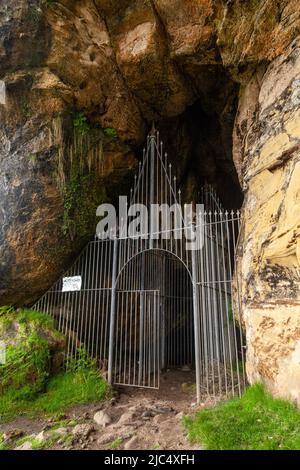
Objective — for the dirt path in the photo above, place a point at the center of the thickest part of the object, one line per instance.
(139, 419)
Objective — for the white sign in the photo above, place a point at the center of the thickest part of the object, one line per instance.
(2, 352)
(71, 284)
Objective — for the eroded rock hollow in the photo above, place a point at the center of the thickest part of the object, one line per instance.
(81, 83)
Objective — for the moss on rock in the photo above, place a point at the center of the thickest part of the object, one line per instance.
(33, 349)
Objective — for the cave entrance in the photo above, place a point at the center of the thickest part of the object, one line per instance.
(159, 296)
(154, 326)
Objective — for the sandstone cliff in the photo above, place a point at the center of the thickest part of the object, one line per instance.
(81, 82)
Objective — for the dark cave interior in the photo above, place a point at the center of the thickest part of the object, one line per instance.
(199, 142)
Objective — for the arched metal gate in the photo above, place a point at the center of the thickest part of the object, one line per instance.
(144, 303)
(153, 319)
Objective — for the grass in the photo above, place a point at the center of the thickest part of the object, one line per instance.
(27, 384)
(2, 445)
(63, 391)
(254, 422)
(38, 444)
(116, 444)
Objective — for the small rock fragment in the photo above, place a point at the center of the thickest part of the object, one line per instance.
(84, 430)
(41, 436)
(106, 438)
(132, 444)
(127, 418)
(102, 418)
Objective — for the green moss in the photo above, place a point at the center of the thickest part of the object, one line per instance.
(80, 384)
(27, 367)
(257, 421)
(82, 196)
(81, 124)
(28, 363)
(110, 132)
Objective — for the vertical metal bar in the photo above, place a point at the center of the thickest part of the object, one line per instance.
(226, 299)
(141, 317)
(196, 323)
(152, 182)
(163, 312)
(112, 310)
(222, 316)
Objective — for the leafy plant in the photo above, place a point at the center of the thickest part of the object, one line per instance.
(82, 361)
(110, 132)
(80, 123)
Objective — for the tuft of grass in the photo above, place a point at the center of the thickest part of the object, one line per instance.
(256, 421)
(6, 309)
(72, 388)
(63, 391)
(36, 444)
(116, 444)
(3, 446)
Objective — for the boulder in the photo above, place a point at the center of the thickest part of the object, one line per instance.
(34, 350)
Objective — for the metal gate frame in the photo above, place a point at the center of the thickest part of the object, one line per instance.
(88, 317)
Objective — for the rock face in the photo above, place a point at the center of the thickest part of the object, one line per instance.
(92, 75)
(269, 260)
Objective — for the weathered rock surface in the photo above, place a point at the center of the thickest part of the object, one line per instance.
(268, 157)
(122, 64)
(84, 430)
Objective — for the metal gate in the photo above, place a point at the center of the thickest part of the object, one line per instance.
(136, 349)
(146, 303)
